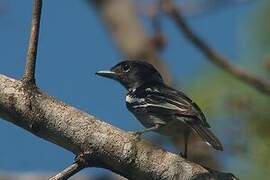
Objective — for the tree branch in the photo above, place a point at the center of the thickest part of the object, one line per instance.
(78, 132)
(216, 58)
(68, 172)
(30, 66)
(158, 40)
(107, 146)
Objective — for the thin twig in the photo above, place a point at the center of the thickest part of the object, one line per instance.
(69, 171)
(29, 74)
(158, 40)
(260, 84)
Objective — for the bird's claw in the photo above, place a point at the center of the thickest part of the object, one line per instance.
(137, 134)
(182, 155)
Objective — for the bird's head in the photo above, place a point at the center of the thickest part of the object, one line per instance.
(132, 74)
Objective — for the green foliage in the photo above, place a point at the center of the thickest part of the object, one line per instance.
(225, 98)
(255, 39)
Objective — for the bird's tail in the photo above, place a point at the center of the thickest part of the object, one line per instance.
(208, 136)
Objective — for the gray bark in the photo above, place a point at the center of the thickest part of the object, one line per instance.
(107, 146)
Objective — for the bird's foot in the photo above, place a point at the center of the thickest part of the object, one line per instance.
(136, 134)
(183, 155)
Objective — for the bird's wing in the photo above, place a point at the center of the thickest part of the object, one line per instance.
(167, 101)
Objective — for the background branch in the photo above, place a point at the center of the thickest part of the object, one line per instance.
(212, 55)
(68, 172)
(108, 146)
(120, 18)
(196, 8)
(29, 74)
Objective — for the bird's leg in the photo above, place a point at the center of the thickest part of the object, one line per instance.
(141, 132)
(186, 136)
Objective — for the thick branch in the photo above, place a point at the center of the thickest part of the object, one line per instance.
(68, 172)
(76, 131)
(30, 66)
(216, 58)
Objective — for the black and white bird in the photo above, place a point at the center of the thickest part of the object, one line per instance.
(159, 107)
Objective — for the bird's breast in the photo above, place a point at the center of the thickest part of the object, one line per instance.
(149, 120)
(169, 125)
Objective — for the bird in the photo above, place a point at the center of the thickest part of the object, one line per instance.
(159, 107)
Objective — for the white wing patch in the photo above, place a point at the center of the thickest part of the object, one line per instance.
(162, 106)
(130, 99)
(151, 90)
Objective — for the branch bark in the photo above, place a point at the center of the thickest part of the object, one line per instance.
(29, 74)
(222, 62)
(77, 131)
(68, 172)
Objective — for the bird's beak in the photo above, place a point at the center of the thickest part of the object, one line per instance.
(107, 74)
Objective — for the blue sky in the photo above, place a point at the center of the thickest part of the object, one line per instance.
(73, 45)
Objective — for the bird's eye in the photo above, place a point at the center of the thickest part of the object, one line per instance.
(126, 67)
